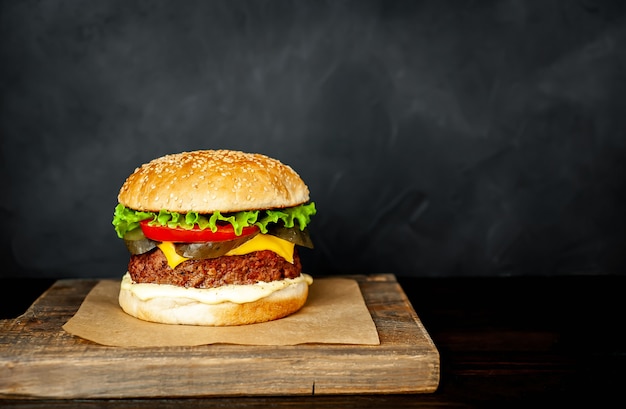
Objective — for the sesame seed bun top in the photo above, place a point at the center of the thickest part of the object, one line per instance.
(206, 181)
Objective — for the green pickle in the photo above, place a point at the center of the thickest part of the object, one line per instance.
(137, 243)
(210, 249)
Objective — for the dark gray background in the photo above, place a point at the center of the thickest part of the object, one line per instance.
(438, 138)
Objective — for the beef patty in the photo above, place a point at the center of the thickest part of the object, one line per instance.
(152, 267)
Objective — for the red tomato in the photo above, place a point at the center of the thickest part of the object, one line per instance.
(196, 235)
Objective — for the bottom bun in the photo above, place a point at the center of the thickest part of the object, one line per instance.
(176, 309)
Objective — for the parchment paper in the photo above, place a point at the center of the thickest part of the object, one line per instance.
(335, 313)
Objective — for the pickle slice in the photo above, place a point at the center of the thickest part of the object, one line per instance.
(139, 246)
(137, 243)
(210, 249)
(294, 235)
(134, 234)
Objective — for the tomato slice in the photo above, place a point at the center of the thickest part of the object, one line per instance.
(224, 232)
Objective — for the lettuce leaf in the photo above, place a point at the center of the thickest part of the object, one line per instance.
(125, 219)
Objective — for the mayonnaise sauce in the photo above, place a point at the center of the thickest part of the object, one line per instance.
(234, 293)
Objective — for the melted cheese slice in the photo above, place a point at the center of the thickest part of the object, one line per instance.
(227, 293)
(173, 258)
(259, 242)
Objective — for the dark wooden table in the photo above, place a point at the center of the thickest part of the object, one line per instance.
(504, 342)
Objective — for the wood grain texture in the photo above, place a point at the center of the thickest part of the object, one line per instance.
(40, 360)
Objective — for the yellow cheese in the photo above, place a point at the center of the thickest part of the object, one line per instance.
(259, 242)
(173, 258)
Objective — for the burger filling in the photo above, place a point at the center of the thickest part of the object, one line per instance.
(207, 251)
(265, 266)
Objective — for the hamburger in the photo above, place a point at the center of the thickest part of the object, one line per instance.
(213, 237)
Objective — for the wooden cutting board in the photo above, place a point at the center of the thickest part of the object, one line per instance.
(38, 359)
